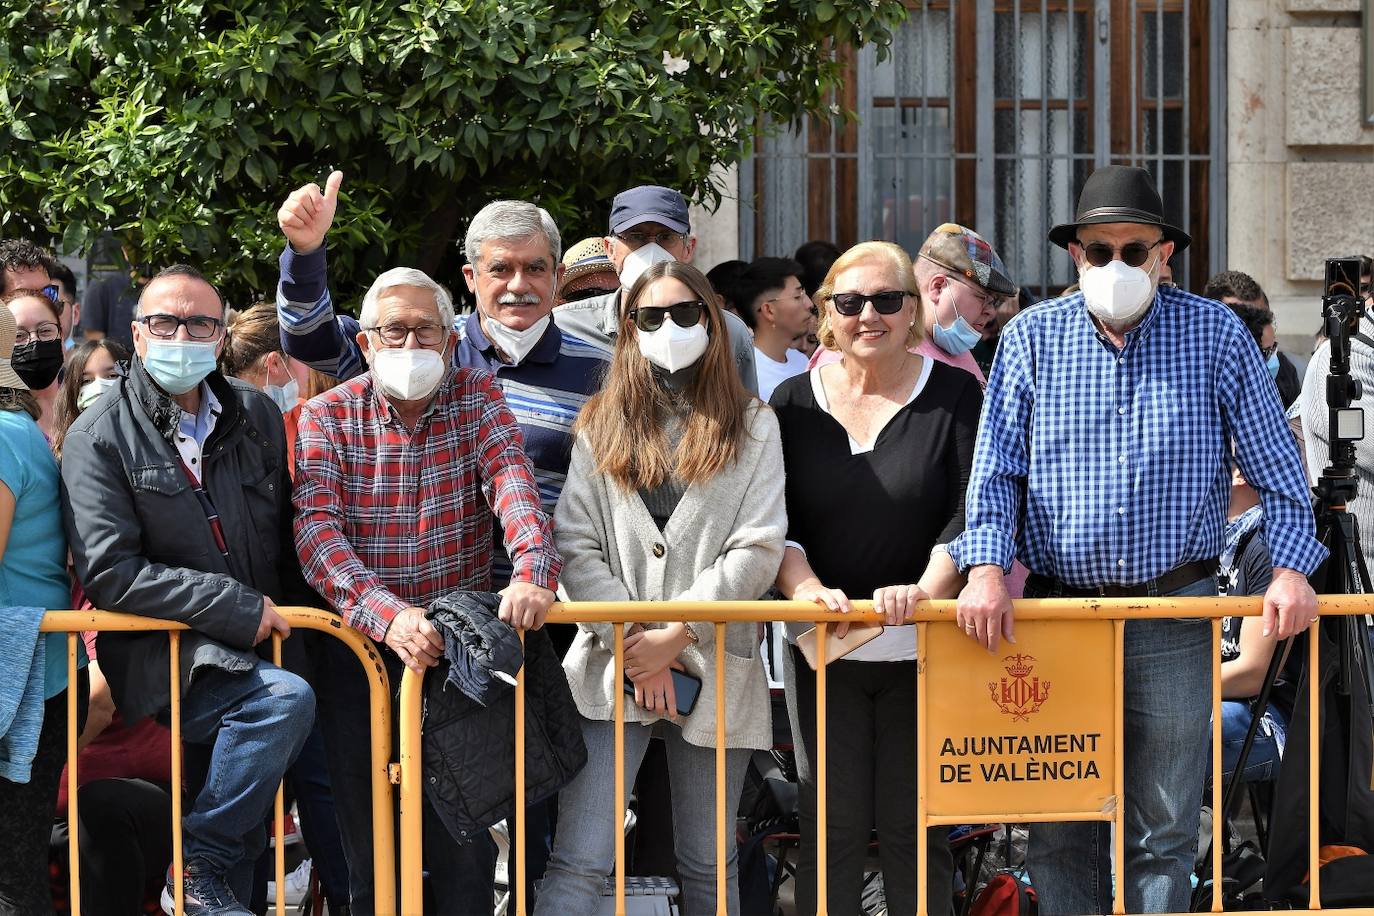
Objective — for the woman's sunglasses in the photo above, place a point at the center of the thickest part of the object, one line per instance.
(651, 317)
(1133, 255)
(887, 302)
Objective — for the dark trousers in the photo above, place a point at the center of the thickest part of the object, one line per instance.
(27, 809)
(461, 877)
(307, 782)
(125, 833)
(871, 738)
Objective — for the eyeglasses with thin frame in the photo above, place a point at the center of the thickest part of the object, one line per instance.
(637, 239)
(1133, 254)
(396, 335)
(198, 327)
(46, 332)
(651, 317)
(795, 298)
(52, 293)
(887, 302)
(987, 298)
(1270, 350)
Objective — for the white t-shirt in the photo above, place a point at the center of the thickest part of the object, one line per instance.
(772, 373)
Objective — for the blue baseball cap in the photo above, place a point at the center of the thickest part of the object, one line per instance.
(649, 204)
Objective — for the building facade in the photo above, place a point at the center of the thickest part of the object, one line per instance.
(1249, 114)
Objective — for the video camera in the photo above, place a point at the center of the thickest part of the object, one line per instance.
(1342, 308)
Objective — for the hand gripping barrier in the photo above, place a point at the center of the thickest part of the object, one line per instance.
(1012, 689)
(74, 622)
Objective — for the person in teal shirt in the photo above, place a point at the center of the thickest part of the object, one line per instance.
(33, 573)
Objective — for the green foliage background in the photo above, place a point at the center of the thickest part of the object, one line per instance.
(182, 125)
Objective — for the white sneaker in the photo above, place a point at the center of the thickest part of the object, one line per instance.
(297, 886)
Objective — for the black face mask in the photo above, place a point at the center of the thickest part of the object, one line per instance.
(38, 363)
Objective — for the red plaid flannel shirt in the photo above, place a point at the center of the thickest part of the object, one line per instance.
(387, 518)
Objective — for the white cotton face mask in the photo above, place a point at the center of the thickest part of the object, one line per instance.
(640, 260)
(515, 344)
(407, 374)
(1116, 292)
(673, 347)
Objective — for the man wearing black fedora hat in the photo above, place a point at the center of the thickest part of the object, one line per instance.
(1102, 464)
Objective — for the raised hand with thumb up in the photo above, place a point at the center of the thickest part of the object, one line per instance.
(309, 212)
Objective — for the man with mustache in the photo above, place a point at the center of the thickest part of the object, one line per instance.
(513, 248)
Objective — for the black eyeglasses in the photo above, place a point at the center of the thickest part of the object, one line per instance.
(198, 327)
(640, 239)
(395, 335)
(887, 302)
(1133, 255)
(1270, 350)
(650, 317)
(44, 333)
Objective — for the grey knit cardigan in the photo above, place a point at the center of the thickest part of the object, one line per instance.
(724, 541)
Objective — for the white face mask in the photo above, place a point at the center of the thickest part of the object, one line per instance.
(92, 390)
(640, 260)
(407, 374)
(1117, 293)
(672, 347)
(515, 344)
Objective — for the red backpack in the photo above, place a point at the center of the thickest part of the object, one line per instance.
(1005, 895)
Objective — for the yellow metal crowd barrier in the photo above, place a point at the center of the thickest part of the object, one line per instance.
(73, 623)
(954, 653)
(931, 620)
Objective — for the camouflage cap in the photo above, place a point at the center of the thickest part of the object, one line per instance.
(963, 251)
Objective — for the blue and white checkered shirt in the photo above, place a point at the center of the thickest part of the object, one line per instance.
(1101, 467)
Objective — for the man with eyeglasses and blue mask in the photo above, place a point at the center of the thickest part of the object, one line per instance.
(177, 504)
(1103, 464)
(648, 224)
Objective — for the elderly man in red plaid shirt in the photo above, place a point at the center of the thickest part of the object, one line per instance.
(399, 473)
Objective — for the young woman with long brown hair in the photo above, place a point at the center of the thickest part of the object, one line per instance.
(675, 491)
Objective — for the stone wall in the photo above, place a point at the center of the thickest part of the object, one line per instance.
(1300, 159)
(718, 232)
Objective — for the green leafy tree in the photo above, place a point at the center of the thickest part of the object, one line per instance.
(182, 125)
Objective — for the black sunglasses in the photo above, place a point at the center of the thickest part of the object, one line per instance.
(1133, 255)
(650, 317)
(888, 302)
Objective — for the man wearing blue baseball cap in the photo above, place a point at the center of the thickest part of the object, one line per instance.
(648, 224)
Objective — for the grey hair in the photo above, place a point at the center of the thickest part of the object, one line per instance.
(510, 220)
(185, 272)
(405, 276)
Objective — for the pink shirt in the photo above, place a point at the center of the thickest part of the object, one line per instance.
(1016, 579)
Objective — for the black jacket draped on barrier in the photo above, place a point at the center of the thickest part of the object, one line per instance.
(469, 717)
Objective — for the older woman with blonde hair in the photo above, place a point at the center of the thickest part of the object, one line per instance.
(674, 492)
(878, 449)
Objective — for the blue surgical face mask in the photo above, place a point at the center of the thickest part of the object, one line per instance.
(1273, 364)
(959, 337)
(179, 365)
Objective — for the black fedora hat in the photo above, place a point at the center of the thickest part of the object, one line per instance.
(1119, 194)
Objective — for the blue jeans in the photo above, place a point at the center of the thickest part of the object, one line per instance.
(255, 723)
(584, 848)
(1263, 763)
(1167, 710)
